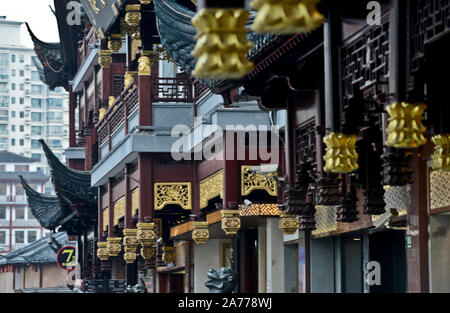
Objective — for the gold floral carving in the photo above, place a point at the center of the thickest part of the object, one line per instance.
(288, 224)
(441, 154)
(286, 16)
(145, 66)
(129, 78)
(115, 42)
(340, 156)
(169, 254)
(114, 246)
(146, 234)
(102, 251)
(130, 244)
(200, 233)
(133, 14)
(104, 58)
(119, 210)
(210, 188)
(405, 129)
(222, 46)
(231, 221)
(251, 181)
(101, 113)
(172, 193)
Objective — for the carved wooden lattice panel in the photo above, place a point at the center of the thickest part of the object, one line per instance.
(429, 19)
(364, 59)
(439, 189)
(306, 143)
(117, 82)
(325, 220)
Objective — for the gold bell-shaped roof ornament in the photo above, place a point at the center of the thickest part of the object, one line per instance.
(405, 129)
(286, 16)
(222, 45)
(341, 156)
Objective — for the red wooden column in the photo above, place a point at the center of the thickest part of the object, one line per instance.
(72, 142)
(145, 186)
(110, 208)
(195, 190)
(128, 213)
(230, 172)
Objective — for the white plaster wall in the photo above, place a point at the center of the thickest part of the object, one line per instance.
(275, 257)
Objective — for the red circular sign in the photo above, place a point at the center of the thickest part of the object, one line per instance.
(66, 258)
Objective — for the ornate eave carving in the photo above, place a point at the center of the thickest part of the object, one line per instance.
(251, 182)
(173, 193)
(210, 188)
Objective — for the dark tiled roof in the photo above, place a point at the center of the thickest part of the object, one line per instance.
(28, 176)
(9, 157)
(36, 252)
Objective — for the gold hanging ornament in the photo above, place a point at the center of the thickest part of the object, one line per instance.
(130, 243)
(200, 233)
(405, 128)
(104, 58)
(288, 224)
(441, 154)
(286, 16)
(169, 254)
(222, 46)
(102, 251)
(341, 156)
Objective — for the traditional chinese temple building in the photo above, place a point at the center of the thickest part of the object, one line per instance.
(351, 162)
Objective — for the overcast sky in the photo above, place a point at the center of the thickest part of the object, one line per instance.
(37, 13)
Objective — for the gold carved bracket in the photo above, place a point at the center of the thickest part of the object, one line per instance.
(173, 193)
(251, 181)
(210, 188)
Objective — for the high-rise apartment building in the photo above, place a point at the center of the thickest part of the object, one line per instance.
(29, 111)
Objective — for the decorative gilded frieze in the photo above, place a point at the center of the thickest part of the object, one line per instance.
(115, 42)
(210, 188)
(130, 244)
(200, 232)
(169, 254)
(286, 16)
(133, 14)
(119, 210)
(441, 154)
(251, 181)
(104, 58)
(105, 218)
(260, 209)
(405, 129)
(135, 201)
(231, 221)
(288, 224)
(341, 156)
(114, 246)
(222, 46)
(173, 193)
(102, 251)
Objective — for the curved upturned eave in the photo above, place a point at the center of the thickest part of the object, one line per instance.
(45, 208)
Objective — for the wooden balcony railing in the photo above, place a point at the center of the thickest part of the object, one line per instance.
(177, 90)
